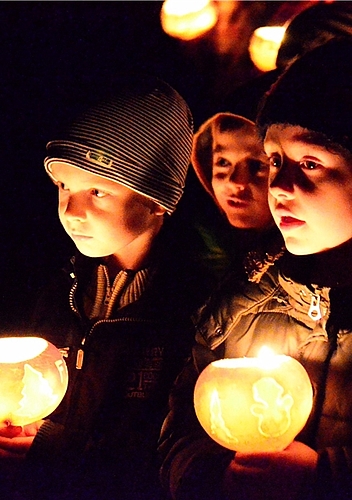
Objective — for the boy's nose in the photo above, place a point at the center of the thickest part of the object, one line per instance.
(75, 209)
(240, 175)
(282, 183)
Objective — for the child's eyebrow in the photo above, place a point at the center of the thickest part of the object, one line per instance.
(219, 148)
(308, 137)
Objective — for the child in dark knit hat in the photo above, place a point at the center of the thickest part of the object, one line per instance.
(301, 307)
(120, 312)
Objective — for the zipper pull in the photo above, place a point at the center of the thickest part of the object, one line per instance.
(314, 309)
(79, 359)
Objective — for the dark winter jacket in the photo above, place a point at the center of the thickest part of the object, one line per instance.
(101, 441)
(310, 322)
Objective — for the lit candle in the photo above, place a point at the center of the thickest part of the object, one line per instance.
(254, 404)
(264, 46)
(33, 379)
(187, 19)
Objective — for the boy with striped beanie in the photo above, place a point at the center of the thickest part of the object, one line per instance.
(121, 311)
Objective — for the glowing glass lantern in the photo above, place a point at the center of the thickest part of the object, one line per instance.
(264, 46)
(33, 379)
(187, 19)
(254, 404)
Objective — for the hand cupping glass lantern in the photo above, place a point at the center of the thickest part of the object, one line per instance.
(33, 379)
(254, 404)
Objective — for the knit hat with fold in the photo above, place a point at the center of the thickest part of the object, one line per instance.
(141, 138)
(315, 92)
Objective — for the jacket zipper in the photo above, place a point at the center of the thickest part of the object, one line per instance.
(71, 295)
(80, 352)
(314, 311)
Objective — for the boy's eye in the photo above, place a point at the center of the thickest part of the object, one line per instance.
(221, 162)
(98, 193)
(309, 164)
(275, 162)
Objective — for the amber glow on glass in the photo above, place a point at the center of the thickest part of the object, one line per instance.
(33, 379)
(254, 404)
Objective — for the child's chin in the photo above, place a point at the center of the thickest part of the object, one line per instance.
(89, 252)
(297, 248)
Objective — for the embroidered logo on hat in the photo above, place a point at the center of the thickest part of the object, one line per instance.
(99, 158)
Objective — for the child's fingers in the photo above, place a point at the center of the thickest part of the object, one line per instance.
(11, 431)
(17, 445)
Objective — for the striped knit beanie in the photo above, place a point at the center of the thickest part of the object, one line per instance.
(141, 138)
(314, 92)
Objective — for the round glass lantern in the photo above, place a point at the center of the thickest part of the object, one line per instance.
(254, 404)
(33, 379)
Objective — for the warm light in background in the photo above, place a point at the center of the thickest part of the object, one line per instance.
(253, 404)
(187, 19)
(33, 379)
(264, 46)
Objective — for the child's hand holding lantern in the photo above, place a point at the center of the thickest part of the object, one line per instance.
(279, 475)
(33, 382)
(15, 441)
(256, 407)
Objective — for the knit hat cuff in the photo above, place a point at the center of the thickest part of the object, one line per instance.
(118, 169)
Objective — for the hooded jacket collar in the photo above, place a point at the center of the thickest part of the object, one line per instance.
(325, 269)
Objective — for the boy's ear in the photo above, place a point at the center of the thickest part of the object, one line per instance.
(157, 209)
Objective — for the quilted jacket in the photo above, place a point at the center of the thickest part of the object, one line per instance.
(308, 322)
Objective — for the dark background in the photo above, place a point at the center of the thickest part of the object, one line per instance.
(54, 57)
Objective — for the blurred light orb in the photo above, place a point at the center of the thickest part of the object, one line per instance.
(33, 379)
(264, 46)
(253, 405)
(187, 19)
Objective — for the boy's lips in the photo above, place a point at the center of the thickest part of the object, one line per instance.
(238, 202)
(286, 220)
(80, 237)
(289, 222)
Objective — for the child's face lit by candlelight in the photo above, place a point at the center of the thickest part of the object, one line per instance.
(240, 177)
(310, 190)
(102, 217)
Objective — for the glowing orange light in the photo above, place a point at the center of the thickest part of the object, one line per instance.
(254, 404)
(264, 46)
(187, 19)
(33, 379)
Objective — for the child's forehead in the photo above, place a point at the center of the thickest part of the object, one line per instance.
(302, 141)
(296, 133)
(63, 171)
(244, 138)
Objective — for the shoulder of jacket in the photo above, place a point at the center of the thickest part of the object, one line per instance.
(229, 304)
